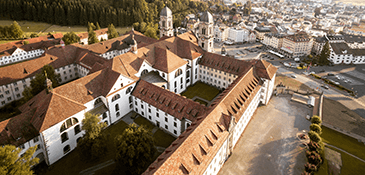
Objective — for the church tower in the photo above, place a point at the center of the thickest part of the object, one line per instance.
(205, 33)
(166, 28)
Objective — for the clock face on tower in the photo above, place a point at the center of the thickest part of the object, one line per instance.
(202, 39)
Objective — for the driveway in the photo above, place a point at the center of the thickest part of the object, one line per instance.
(269, 144)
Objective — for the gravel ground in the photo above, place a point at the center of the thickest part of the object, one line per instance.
(269, 144)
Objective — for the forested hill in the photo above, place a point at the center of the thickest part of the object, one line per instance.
(80, 12)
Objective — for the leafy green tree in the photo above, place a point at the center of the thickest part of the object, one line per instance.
(70, 38)
(27, 94)
(92, 38)
(38, 83)
(135, 148)
(151, 32)
(93, 144)
(13, 164)
(323, 57)
(142, 27)
(112, 33)
(316, 128)
(25, 42)
(34, 35)
(16, 31)
(97, 26)
(136, 26)
(316, 120)
(314, 136)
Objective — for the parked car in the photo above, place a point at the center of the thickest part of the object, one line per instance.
(331, 74)
(293, 76)
(325, 86)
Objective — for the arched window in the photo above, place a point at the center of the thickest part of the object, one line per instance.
(117, 107)
(128, 90)
(178, 72)
(117, 96)
(130, 99)
(66, 149)
(144, 72)
(203, 31)
(98, 101)
(64, 137)
(163, 23)
(77, 129)
(68, 123)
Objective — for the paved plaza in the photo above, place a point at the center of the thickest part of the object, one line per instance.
(269, 144)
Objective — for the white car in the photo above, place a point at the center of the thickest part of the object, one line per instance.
(293, 76)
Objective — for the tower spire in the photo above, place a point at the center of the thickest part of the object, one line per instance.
(48, 83)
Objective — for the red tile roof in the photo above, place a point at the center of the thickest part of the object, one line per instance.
(174, 104)
(265, 70)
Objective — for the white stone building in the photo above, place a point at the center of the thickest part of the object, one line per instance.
(166, 26)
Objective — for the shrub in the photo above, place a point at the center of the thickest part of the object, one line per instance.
(314, 136)
(25, 42)
(316, 120)
(316, 128)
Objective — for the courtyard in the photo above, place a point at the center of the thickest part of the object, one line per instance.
(201, 93)
(73, 163)
(269, 144)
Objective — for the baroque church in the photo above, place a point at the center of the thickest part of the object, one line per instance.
(147, 76)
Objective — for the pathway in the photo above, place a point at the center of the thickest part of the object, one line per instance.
(91, 171)
(344, 152)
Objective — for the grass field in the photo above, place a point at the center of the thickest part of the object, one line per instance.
(201, 90)
(350, 165)
(344, 142)
(42, 28)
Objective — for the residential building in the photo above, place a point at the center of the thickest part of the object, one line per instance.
(299, 44)
(273, 41)
(261, 31)
(101, 34)
(341, 53)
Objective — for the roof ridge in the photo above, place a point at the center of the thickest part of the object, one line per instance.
(124, 67)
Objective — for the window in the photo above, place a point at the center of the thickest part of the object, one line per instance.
(1, 96)
(175, 132)
(157, 114)
(3, 102)
(166, 127)
(128, 90)
(117, 96)
(130, 99)
(64, 137)
(16, 89)
(7, 92)
(22, 146)
(149, 117)
(203, 31)
(118, 114)
(117, 107)
(9, 98)
(130, 106)
(149, 110)
(175, 124)
(178, 73)
(66, 149)
(77, 129)
(38, 147)
(142, 106)
(36, 139)
(166, 119)
(68, 123)
(142, 113)
(18, 95)
(175, 84)
(105, 115)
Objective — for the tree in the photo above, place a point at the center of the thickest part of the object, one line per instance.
(93, 144)
(27, 94)
(38, 83)
(92, 38)
(135, 148)
(34, 35)
(13, 164)
(325, 53)
(316, 120)
(331, 32)
(25, 42)
(97, 26)
(314, 136)
(316, 128)
(70, 38)
(112, 33)
(151, 32)
(16, 31)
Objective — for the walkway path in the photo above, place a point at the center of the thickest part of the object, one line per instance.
(91, 171)
(344, 152)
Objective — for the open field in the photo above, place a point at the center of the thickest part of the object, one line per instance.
(42, 28)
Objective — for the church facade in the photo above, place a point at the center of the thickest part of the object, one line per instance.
(148, 80)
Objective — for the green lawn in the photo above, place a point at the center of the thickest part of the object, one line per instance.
(350, 165)
(202, 90)
(72, 163)
(344, 142)
(142, 121)
(163, 139)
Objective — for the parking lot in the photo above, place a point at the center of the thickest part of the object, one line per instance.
(269, 144)
(245, 51)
